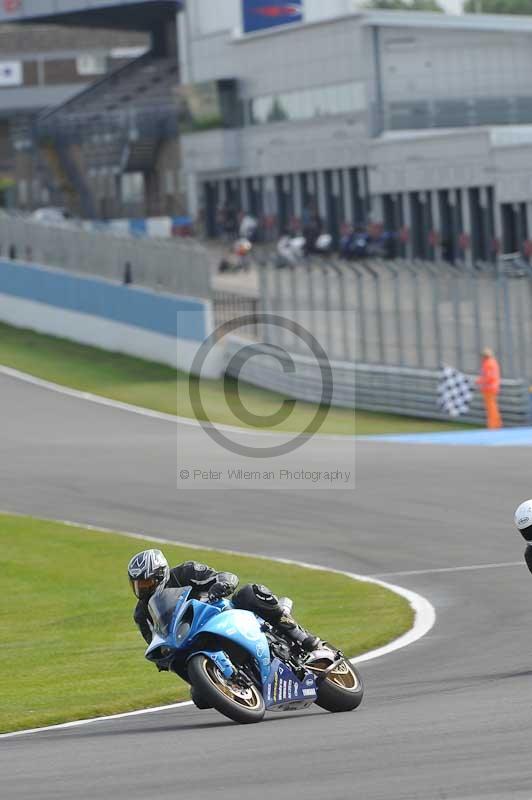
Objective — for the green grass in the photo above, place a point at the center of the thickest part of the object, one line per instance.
(143, 383)
(70, 649)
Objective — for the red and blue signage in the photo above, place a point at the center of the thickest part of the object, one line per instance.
(258, 15)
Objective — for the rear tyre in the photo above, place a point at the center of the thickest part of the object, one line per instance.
(341, 690)
(240, 703)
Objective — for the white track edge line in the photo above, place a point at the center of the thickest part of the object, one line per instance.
(118, 405)
(424, 615)
(438, 570)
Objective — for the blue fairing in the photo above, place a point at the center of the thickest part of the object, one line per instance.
(178, 621)
(184, 628)
(243, 628)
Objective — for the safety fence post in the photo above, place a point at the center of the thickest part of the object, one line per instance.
(417, 316)
(342, 294)
(475, 301)
(396, 277)
(326, 310)
(435, 280)
(497, 291)
(265, 303)
(457, 316)
(378, 310)
(361, 315)
(508, 338)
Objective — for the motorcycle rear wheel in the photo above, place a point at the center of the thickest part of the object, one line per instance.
(240, 703)
(341, 690)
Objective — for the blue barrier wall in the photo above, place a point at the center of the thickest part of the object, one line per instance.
(161, 313)
(94, 311)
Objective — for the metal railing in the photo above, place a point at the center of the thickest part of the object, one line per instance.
(228, 306)
(412, 392)
(408, 314)
(178, 265)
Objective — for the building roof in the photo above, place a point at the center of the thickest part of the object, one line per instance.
(122, 14)
(432, 20)
(496, 23)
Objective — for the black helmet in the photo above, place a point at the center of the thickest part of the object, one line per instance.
(147, 571)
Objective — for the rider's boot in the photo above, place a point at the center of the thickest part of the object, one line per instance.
(292, 631)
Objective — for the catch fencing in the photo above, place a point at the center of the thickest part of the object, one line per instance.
(407, 314)
(178, 266)
(413, 392)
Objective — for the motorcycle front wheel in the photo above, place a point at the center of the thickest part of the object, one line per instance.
(341, 690)
(240, 703)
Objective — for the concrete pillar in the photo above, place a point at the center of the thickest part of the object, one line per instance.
(529, 220)
(244, 195)
(298, 196)
(270, 199)
(483, 200)
(434, 201)
(407, 217)
(377, 208)
(321, 198)
(348, 198)
(497, 220)
(453, 231)
(222, 193)
(519, 233)
(466, 219)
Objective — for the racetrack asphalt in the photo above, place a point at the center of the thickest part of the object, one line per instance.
(446, 718)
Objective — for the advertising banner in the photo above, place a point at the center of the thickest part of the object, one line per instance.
(12, 10)
(258, 15)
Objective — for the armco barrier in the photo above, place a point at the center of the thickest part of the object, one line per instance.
(153, 325)
(180, 265)
(395, 390)
(414, 392)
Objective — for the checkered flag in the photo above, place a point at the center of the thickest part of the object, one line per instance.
(455, 392)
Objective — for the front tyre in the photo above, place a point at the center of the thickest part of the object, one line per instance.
(240, 703)
(198, 700)
(341, 690)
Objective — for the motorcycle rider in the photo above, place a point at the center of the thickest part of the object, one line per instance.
(149, 571)
(523, 522)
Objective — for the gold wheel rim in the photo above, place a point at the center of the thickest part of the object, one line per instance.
(343, 675)
(246, 696)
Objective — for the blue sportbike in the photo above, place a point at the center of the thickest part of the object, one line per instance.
(238, 664)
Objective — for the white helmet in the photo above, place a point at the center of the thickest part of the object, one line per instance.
(523, 520)
(147, 571)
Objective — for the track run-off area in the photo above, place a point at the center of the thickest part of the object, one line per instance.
(446, 717)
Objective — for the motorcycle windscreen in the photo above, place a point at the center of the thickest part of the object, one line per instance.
(162, 606)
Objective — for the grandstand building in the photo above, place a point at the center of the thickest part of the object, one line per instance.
(42, 66)
(419, 121)
(106, 146)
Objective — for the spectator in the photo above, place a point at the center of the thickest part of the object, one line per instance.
(248, 228)
(489, 383)
(128, 274)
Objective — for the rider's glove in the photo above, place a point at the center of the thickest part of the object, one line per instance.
(219, 590)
